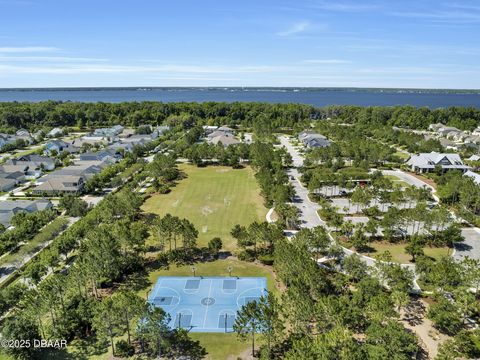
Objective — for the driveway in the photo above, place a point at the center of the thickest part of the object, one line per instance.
(409, 179)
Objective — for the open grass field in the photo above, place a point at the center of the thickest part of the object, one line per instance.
(214, 199)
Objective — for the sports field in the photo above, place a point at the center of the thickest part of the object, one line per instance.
(205, 304)
(214, 199)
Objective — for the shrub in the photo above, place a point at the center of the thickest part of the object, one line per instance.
(246, 255)
(266, 259)
(124, 349)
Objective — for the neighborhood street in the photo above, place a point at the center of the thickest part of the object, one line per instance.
(308, 209)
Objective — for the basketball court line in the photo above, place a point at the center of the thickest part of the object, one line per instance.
(206, 310)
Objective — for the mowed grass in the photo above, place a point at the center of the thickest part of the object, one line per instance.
(400, 256)
(218, 345)
(214, 199)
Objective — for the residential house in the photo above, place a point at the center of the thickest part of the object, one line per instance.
(435, 127)
(58, 146)
(311, 139)
(225, 139)
(159, 131)
(55, 132)
(472, 139)
(110, 132)
(474, 158)
(209, 129)
(58, 185)
(426, 162)
(17, 176)
(121, 146)
(7, 184)
(102, 155)
(85, 169)
(30, 171)
(34, 161)
(474, 176)
(476, 131)
(9, 208)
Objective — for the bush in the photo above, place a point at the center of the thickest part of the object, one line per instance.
(266, 259)
(246, 255)
(124, 349)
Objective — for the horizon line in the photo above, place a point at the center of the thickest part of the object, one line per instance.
(234, 87)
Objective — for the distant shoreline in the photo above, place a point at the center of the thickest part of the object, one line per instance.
(249, 88)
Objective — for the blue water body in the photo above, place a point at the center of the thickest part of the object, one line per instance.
(316, 97)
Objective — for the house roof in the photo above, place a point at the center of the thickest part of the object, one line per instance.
(28, 205)
(474, 176)
(474, 158)
(12, 175)
(7, 182)
(225, 128)
(316, 142)
(430, 160)
(224, 139)
(60, 183)
(12, 168)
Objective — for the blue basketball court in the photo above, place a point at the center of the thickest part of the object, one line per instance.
(205, 304)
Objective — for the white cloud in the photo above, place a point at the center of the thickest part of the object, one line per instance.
(50, 59)
(109, 69)
(27, 49)
(295, 28)
(326, 61)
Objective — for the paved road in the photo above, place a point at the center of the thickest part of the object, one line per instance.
(409, 179)
(470, 247)
(296, 156)
(308, 209)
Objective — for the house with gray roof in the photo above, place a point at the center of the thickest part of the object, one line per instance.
(9, 208)
(55, 132)
(30, 170)
(59, 185)
(34, 161)
(59, 146)
(474, 176)
(426, 162)
(102, 155)
(225, 139)
(7, 184)
(312, 139)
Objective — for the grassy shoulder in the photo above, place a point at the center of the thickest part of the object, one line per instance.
(214, 199)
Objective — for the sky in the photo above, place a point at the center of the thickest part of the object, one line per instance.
(311, 43)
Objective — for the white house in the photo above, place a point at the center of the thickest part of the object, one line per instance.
(426, 162)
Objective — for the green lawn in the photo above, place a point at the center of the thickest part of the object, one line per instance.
(218, 345)
(214, 199)
(399, 255)
(402, 155)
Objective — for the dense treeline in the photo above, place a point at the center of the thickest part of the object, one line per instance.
(49, 114)
(261, 116)
(26, 225)
(331, 316)
(465, 118)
